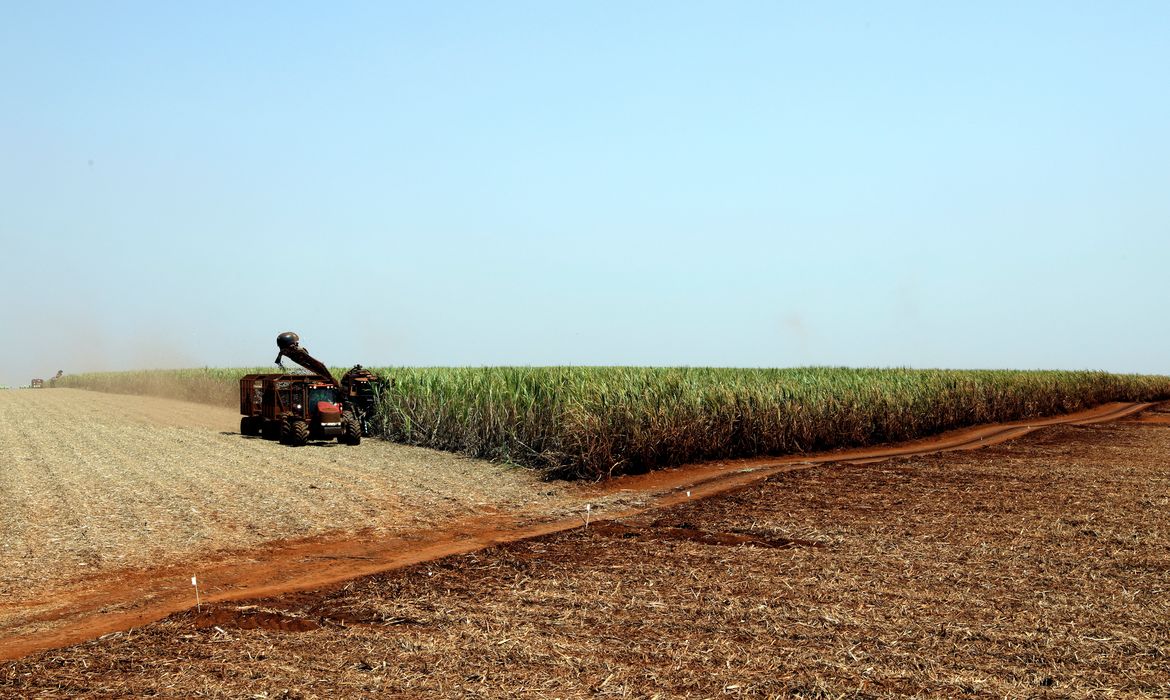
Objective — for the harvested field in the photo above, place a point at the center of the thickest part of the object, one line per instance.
(97, 485)
(1037, 567)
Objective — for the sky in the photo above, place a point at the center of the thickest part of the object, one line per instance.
(892, 184)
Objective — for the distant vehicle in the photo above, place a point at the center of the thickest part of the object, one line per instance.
(37, 384)
(295, 408)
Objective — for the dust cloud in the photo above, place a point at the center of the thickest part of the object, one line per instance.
(76, 342)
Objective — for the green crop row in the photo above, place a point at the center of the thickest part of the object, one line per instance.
(594, 422)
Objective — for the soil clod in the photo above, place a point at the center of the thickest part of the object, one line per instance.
(252, 618)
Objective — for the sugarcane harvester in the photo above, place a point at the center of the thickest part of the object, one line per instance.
(296, 407)
(359, 386)
(361, 390)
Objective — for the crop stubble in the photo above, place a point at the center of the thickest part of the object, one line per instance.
(96, 483)
(1034, 568)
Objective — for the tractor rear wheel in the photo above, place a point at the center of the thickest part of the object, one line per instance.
(353, 430)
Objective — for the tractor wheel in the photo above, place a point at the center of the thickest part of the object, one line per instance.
(298, 433)
(269, 429)
(353, 430)
(251, 425)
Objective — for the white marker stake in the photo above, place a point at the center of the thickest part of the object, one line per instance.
(588, 508)
(198, 605)
(688, 494)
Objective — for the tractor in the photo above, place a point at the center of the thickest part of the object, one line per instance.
(295, 408)
(360, 391)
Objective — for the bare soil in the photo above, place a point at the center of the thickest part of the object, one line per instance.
(1036, 567)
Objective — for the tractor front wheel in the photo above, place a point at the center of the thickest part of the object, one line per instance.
(298, 433)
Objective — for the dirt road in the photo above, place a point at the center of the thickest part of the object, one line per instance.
(112, 503)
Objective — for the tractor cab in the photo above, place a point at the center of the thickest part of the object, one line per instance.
(323, 405)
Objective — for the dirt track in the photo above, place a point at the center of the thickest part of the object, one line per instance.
(112, 503)
(1035, 568)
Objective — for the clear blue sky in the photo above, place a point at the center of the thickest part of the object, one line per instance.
(651, 183)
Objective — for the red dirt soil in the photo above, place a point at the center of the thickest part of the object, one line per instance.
(125, 599)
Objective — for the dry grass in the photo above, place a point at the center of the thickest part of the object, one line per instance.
(1037, 568)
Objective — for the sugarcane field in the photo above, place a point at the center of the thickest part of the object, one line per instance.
(584, 350)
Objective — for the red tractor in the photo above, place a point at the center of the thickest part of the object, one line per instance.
(295, 408)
